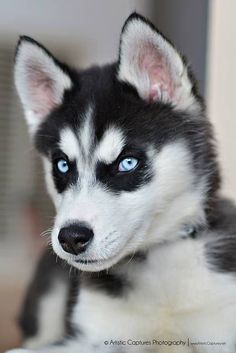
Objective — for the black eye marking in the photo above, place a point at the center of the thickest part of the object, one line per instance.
(64, 172)
(118, 180)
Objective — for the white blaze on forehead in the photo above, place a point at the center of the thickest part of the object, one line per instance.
(69, 143)
(86, 133)
(111, 145)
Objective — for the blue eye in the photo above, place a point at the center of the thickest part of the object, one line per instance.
(128, 164)
(62, 166)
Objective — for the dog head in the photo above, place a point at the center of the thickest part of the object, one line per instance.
(126, 147)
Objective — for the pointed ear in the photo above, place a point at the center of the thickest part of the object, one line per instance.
(150, 63)
(40, 81)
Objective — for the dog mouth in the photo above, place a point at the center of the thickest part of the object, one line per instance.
(94, 264)
(85, 262)
(98, 264)
(95, 261)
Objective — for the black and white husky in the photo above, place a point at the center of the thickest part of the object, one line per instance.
(131, 167)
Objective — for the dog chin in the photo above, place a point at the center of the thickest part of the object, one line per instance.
(88, 264)
(95, 265)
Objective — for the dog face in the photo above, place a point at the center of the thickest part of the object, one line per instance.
(126, 149)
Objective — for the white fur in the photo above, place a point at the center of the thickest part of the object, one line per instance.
(30, 57)
(85, 160)
(177, 201)
(174, 199)
(176, 296)
(143, 51)
(51, 315)
(173, 294)
(86, 132)
(69, 143)
(111, 145)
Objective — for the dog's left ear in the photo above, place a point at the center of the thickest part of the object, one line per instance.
(40, 79)
(150, 63)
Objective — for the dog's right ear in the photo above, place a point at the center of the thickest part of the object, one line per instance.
(151, 64)
(40, 79)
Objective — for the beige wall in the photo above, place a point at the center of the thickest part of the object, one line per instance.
(221, 89)
(87, 30)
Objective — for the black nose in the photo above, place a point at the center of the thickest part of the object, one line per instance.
(75, 238)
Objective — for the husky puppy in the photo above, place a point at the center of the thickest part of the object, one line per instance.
(130, 164)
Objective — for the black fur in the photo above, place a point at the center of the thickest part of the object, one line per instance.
(111, 283)
(116, 104)
(49, 269)
(221, 249)
(221, 253)
(119, 181)
(62, 181)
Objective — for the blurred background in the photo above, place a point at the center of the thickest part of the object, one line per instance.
(83, 32)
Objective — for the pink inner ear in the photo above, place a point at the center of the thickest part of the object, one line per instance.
(153, 64)
(41, 90)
